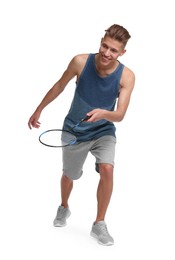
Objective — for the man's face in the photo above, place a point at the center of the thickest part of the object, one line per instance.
(110, 50)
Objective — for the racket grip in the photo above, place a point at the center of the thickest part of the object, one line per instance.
(86, 118)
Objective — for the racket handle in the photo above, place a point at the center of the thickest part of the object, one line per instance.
(82, 120)
(86, 118)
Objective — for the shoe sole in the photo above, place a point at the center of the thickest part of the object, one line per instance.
(59, 225)
(96, 237)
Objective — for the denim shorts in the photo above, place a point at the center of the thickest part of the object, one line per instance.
(74, 156)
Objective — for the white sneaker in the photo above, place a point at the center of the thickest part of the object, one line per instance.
(100, 232)
(62, 215)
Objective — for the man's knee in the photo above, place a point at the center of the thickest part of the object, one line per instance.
(106, 173)
(72, 174)
(105, 168)
(66, 179)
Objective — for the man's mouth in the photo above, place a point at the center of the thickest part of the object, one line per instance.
(105, 59)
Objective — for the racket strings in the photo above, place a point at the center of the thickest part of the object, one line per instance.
(57, 138)
(67, 138)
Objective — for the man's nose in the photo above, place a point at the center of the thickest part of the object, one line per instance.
(107, 52)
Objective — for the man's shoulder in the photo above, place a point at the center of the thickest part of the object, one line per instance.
(128, 78)
(128, 72)
(81, 58)
(78, 62)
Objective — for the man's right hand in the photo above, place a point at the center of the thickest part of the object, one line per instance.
(33, 121)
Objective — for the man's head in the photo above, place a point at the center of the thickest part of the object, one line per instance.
(113, 45)
(119, 33)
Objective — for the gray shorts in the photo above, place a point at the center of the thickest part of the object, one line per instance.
(74, 156)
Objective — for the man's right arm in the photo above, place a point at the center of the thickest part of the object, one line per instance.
(53, 93)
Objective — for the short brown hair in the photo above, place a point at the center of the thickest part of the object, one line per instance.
(118, 32)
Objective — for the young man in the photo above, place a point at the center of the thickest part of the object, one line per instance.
(103, 91)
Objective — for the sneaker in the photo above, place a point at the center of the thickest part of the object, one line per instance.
(100, 232)
(62, 215)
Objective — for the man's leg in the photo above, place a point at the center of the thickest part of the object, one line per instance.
(73, 160)
(104, 190)
(63, 211)
(66, 188)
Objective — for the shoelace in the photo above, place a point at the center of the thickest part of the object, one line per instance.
(61, 211)
(104, 229)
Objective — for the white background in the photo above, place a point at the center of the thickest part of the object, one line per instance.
(38, 39)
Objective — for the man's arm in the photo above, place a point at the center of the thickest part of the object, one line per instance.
(54, 92)
(127, 85)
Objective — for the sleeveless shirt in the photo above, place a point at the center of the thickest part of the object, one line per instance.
(93, 91)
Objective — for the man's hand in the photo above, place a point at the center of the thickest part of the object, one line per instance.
(33, 121)
(96, 115)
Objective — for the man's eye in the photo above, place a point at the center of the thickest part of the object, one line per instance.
(104, 46)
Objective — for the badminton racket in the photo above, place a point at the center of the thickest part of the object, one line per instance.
(60, 137)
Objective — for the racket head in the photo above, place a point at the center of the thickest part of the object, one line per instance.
(57, 138)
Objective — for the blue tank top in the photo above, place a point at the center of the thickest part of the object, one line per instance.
(93, 91)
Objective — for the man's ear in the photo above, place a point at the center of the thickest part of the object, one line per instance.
(123, 52)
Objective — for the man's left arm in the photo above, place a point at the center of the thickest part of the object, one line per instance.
(126, 87)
